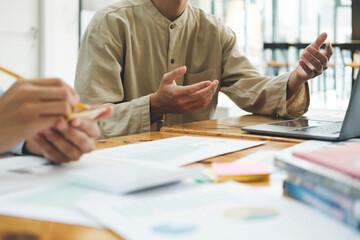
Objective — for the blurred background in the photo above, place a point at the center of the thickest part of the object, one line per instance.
(40, 38)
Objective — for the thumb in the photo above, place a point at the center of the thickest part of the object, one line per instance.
(319, 41)
(174, 74)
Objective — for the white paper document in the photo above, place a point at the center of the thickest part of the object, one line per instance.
(22, 162)
(211, 211)
(45, 195)
(266, 157)
(48, 203)
(28, 171)
(177, 151)
(34, 188)
(130, 176)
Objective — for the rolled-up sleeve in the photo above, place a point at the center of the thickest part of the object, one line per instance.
(255, 93)
(98, 79)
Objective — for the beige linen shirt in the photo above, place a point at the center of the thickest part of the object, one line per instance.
(128, 46)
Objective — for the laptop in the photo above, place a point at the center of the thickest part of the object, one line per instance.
(318, 129)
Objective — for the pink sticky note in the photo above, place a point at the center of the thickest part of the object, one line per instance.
(232, 169)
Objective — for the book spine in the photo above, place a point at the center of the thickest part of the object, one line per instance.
(346, 201)
(319, 179)
(325, 205)
(350, 204)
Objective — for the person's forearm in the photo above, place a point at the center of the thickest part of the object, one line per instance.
(10, 137)
(293, 85)
(155, 112)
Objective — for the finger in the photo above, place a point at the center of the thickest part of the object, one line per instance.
(217, 84)
(173, 75)
(190, 89)
(55, 94)
(47, 82)
(328, 50)
(49, 151)
(318, 55)
(108, 112)
(87, 126)
(67, 148)
(78, 138)
(49, 90)
(204, 95)
(319, 41)
(311, 59)
(59, 108)
(306, 68)
(201, 103)
(66, 91)
(45, 122)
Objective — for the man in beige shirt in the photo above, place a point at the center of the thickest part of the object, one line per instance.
(133, 55)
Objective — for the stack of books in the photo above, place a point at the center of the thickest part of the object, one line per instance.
(327, 179)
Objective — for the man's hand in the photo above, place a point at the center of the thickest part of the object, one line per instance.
(30, 106)
(170, 98)
(67, 141)
(312, 63)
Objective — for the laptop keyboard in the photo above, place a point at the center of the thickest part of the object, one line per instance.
(333, 128)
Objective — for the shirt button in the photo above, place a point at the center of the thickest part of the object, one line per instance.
(172, 26)
(172, 61)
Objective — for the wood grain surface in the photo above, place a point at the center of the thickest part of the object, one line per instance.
(229, 127)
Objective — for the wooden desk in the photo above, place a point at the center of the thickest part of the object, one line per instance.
(12, 228)
(229, 127)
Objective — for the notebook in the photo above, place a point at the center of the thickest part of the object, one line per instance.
(318, 129)
(345, 159)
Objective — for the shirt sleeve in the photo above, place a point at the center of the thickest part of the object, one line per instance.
(16, 150)
(255, 93)
(98, 78)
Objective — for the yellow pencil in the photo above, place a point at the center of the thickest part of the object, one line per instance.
(80, 105)
(11, 73)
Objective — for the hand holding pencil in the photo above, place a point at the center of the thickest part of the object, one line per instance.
(80, 105)
(28, 107)
(39, 112)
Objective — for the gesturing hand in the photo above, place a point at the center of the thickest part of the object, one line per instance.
(311, 64)
(170, 98)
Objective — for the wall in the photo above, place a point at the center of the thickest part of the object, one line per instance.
(19, 39)
(60, 39)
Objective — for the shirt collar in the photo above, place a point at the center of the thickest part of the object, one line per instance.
(162, 20)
